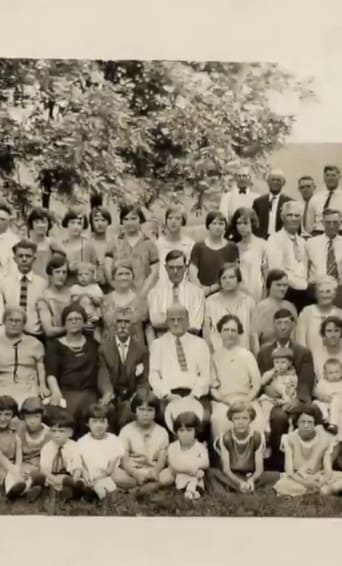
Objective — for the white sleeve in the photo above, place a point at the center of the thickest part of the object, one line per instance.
(155, 377)
(274, 254)
(204, 378)
(156, 313)
(196, 310)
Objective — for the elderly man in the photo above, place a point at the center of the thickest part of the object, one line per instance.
(23, 288)
(180, 362)
(306, 188)
(303, 364)
(330, 197)
(325, 252)
(268, 207)
(123, 368)
(286, 250)
(239, 196)
(176, 290)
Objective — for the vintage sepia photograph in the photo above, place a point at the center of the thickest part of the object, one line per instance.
(170, 289)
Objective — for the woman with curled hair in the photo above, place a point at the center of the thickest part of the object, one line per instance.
(252, 251)
(39, 224)
(57, 296)
(262, 320)
(230, 299)
(311, 317)
(331, 334)
(235, 377)
(77, 246)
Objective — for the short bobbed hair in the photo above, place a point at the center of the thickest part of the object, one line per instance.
(330, 320)
(274, 275)
(96, 411)
(56, 262)
(145, 396)
(214, 215)
(238, 407)
(73, 307)
(187, 419)
(306, 409)
(227, 318)
(128, 208)
(104, 212)
(227, 267)
(39, 213)
(7, 403)
(73, 214)
(175, 210)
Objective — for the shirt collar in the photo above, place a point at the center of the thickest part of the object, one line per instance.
(272, 197)
(120, 344)
(287, 345)
(29, 276)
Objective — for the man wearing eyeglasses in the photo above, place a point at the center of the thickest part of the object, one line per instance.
(175, 290)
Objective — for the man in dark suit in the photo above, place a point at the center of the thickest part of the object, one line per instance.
(123, 368)
(268, 206)
(303, 365)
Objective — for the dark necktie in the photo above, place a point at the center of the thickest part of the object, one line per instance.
(305, 213)
(58, 462)
(181, 355)
(327, 202)
(331, 260)
(23, 292)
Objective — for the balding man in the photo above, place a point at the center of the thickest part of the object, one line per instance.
(180, 362)
(239, 196)
(268, 206)
(328, 198)
(286, 250)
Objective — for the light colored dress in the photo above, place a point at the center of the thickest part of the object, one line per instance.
(143, 447)
(308, 326)
(54, 303)
(179, 458)
(217, 306)
(253, 265)
(262, 320)
(100, 458)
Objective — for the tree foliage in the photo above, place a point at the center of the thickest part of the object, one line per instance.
(136, 130)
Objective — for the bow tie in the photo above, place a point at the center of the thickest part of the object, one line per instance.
(242, 191)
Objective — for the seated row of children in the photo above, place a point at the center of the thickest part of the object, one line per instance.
(35, 455)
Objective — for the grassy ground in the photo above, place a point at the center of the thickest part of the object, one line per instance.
(171, 503)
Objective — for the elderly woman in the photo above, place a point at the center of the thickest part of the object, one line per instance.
(134, 246)
(252, 251)
(229, 300)
(310, 319)
(235, 374)
(57, 296)
(173, 239)
(39, 225)
(72, 366)
(22, 372)
(263, 315)
(99, 220)
(331, 333)
(77, 246)
(209, 255)
(124, 297)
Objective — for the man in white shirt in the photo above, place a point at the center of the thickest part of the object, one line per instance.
(268, 207)
(180, 362)
(286, 250)
(7, 240)
(325, 252)
(240, 196)
(306, 188)
(330, 197)
(23, 288)
(176, 290)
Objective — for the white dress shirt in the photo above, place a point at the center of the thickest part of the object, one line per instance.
(122, 348)
(274, 199)
(317, 249)
(160, 298)
(316, 205)
(10, 297)
(281, 255)
(70, 454)
(7, 240)
(165, 373)
(235, 199)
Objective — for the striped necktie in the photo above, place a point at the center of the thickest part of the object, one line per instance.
(181, 355)
(58, 462)
(331, 260)
(23, 292)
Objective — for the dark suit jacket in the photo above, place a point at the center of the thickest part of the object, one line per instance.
(261, 205)
(118, 377)
(302, 362)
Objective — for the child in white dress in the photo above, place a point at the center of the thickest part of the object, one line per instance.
(101, 453)
(188, 458)
(329, 394)
(283, 379)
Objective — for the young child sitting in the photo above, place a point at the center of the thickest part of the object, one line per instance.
(33, 435)
(12, 475)
(101, 453)
(145, 444)
(241, 453)
(308, 454)
(188, 459)
(86, 284)
(60, 460)
(329, 394)
(283, 379)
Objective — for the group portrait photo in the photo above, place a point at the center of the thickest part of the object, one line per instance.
(170, 290)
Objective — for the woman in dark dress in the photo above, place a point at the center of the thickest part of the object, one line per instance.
(209, 255)
(72, 366)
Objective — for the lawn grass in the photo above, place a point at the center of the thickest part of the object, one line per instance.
(173, 504)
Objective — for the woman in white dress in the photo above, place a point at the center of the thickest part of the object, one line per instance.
(252, 251)
(310, 319)
(229, 300)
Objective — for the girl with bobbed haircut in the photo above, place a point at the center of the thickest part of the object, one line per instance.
(187, 420)
(214, 215)
(74, 307)
(246, 214)
(73, 214)
(230, 266)
(237, 408)
(227, 318)
(145, 396)
(127, 209)
(104, 212)
(306, 409)
(56, 262)
(274, 275)
(330, 320)
(39, 213)
(7, 403)
(176, 210)
(96, 411)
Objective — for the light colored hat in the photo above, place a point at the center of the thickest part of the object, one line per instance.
(179, 406)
